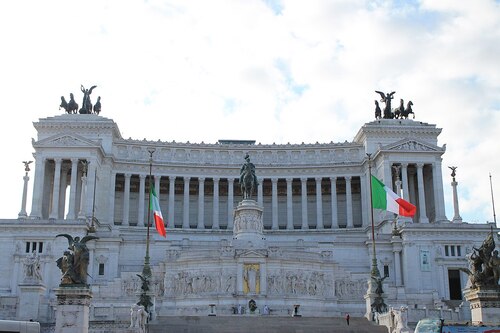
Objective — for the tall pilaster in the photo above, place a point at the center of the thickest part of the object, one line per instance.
(230, 203)
(260, 195)
(397, 247)
(201, 203)
(126, 200)
(185, 218)
(274, 183)
(303, 191)
(319, 204)
(62, 190)
(215, 217)
(348, 193)
(140, 207)
(333, 190)
(54, 212)
(72, 189)
(421, 194)
(171, 201)
(112, 195)
(39, 182)
(289, 204)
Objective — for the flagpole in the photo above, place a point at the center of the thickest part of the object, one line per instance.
(374, 271)
(493, 203)
(145, 298)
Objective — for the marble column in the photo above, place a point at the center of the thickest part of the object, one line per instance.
(348, 193)
(421, 194)
(260, 194)
(22, 214)
(333, 190)
(404, 184)
(201, 203)
(215, 217)
(112, 194)
(456, 217)
(54, 212)
(303, 190)
(230, 203)
(289, 204)
(396, 249)
(274, 203)
(83, 197)
(72, 189)
(365, 199)
(140, 207)
(126, 200)
(185, 218)
(36, 203)
(171, 201)
(62, 190)
(319, 204)
(437, 181)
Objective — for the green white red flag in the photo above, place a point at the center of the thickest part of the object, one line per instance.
(155, 208)
(384, 198)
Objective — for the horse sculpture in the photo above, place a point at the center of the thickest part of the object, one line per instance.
(406, 112)
(248, 180)
(71, 106)
(398, 112)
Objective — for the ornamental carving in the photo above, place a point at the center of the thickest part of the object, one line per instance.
(300, 282)
(348, 289)
(412, 146)
(186, 283)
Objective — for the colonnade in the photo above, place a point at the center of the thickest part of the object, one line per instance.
(273, 192)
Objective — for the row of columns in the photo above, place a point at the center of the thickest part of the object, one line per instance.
(57, 194)
(230, 205)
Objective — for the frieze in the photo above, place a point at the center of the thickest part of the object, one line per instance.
(199, 282)
(299, 282)
(348, 289)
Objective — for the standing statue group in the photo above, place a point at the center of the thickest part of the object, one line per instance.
(484, 265)
(398, 113)
(74, 263)
(71, 107)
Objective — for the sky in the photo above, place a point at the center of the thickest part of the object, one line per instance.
(297, 71)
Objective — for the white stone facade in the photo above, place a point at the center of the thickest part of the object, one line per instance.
(312, 246)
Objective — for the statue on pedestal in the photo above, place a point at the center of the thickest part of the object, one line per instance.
(74, 263)
(32, 270)
(248, 179)
(484, 264)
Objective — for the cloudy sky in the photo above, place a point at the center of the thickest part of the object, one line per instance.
(301, 71)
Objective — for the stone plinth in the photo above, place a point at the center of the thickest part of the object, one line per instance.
(247, 227)
(370, 298)
(484, 305)
(72, 313)
(29, 300)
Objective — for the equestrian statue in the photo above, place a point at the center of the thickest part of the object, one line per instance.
(248, 179)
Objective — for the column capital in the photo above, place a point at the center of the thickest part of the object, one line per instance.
(74, 160)
(128, 175)
(303, 179)
(318, 179)
(201, 179)
(171, 178)
(404, 165)
(420, 165)
(289, 180)
(216, 179)
(57, 159)
(142, 176)
(348, 178)
(274, 180)
(187, 178)
(230, 180)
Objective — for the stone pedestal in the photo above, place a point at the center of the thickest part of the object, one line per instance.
(370, 298)
(29, 300)
(247, 228)
(72, 313)
(484, 305)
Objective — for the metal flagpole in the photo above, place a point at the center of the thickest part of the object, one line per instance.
(145, 298)
(493, 203)
(374, 271)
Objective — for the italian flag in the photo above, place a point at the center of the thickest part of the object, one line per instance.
(154, 205)
(383, 198)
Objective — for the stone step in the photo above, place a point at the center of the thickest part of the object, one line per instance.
(262, 324)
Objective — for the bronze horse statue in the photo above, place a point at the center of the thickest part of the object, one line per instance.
(406, 112)
(71, 106)
(248, 179)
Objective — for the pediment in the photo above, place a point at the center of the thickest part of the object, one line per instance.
(412, 145)
(65, 140)
(251, 253)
